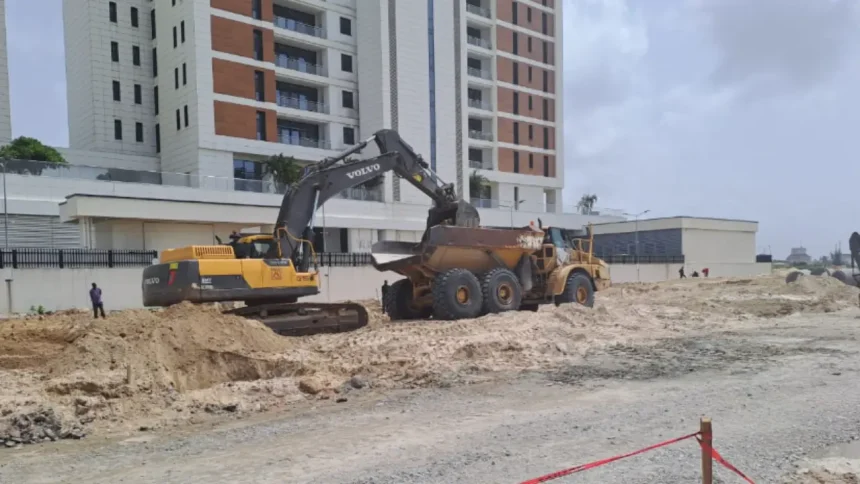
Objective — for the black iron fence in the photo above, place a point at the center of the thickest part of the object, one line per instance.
(643, 259)
(340, 259)
(35, 258)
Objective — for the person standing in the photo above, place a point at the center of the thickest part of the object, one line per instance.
(705, 271)
(96, 299)
(384, 292)
(681, 273)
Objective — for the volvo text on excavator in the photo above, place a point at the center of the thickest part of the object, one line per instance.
(270, 272)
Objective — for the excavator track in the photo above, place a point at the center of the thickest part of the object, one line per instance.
(303, 319)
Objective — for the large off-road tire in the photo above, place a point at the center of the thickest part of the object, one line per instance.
(578, 289)
(457, 295)
(398, 302)
(501, 291)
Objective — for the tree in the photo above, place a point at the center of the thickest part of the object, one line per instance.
(285, 170)
(836, 257)
(24, 148)
(586, 203)
(477, 182)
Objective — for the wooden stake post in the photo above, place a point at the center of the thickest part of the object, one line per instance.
(707, 445)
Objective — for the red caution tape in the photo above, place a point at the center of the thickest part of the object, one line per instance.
(717, 457)
(592, 465)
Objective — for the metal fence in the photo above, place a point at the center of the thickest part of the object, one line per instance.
(643, 259)
(337, 259)
(34, 258)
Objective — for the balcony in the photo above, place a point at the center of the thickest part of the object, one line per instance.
(362, 194)
(484, 203)
(480, 73)
(291, 100)
(481, 164)
(478, 10)
(288, 137)
(299, 64)
(480, 135)
(479, 42)
(299, 27)
(480, 104)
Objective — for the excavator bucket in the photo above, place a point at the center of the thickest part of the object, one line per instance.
(460, 214)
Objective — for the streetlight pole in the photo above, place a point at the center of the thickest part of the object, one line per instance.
(636, 238)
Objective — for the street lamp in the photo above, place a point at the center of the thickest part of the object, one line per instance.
(636, 237)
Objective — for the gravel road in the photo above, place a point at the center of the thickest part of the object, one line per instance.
(777, 394)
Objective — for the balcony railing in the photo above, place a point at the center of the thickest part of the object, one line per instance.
(362, 194)
(481, 135)
(480, 73)
(481, 165)
(480, 104)
(485, 203)
(479, 42)
(300, 27)
(289, 100)
(289, 138)
(478, 10)
(549, 207)
(299, 64)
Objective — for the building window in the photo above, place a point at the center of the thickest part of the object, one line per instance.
(184, 74)
(152, 22)
(117, 129)
(114, 51)
(516, 103)
(178, 121)
(261, 125)
(516, 198)
(173, 3)
(258, 44)
(531, 106)
(516, 72)
(259, 86)
(531, 161)
(155, 98)
(531, 132)
(515, 12)
(154, 63)
(546, 165)
(516, 162)
(138, 94)
(116, 91)
(546, 110)
(516, 133)
(529, 14)
(345, 26)
(175, 37)
(157, 138)
(347, 99)
(112, 11)
(530, 74)
(545, 138)
(185, 113)
(176, 78)
(134, 19)
(135, 55)
(516, 42)
(545, 52)
(182, 31)
(138, 132)
(256, 9)
(544, 28)
(346, 63)
(529, 42)
(545, 81)
(348, 135)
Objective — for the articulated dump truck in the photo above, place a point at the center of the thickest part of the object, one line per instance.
(466, 272)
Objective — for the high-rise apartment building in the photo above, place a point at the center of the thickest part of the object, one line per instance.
(214, 87)
(5, 110)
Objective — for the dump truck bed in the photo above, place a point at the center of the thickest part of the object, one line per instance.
(446, 247)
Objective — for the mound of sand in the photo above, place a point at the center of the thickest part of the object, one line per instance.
(189, 359)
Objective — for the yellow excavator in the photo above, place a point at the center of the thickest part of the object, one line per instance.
(269, 273)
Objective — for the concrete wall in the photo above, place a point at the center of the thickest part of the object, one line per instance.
(664, 272)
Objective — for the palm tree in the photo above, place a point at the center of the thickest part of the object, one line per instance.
(284, 170)
(477, 182)
(586, 203)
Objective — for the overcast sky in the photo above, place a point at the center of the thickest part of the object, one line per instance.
(743, 109)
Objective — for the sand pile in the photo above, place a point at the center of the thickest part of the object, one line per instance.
(189, 360)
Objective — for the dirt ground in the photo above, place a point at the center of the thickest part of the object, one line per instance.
(485, 395)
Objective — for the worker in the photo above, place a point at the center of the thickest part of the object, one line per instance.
(705, 271)
(695, 273)
(96, 299)
(681, 273)
(384, 292)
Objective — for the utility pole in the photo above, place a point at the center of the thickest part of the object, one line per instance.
(636, 237)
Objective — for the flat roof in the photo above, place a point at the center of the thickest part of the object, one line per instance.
(676, 217)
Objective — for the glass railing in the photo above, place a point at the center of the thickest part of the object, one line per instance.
(481, 135)
(289, 100)
(299, 64)
(478, 10)
(479, 104)
(300, 27)
(481, 165)
(485, 203)
(362, 194)
(479, 42)
(480, 73)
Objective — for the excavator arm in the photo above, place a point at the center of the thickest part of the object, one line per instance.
(854, 246)
(329, 177)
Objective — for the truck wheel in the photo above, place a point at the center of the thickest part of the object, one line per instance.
(398, 301)
(577, 290)
(501, 291)
(457, 295)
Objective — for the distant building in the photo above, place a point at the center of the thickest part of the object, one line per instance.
(798, 254)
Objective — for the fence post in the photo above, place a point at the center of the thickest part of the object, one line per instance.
(707, 445)
(110, 258)
(60, 258)
(14, 258)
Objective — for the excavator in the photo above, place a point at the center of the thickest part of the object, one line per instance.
(269, 273)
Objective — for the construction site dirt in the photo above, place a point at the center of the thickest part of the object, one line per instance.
(189, 395)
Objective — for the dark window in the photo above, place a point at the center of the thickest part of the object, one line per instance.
(346, 63)
(184, 74)
(154, 63)
(516, 198)
(545, 81)
(157, 138)
(530, 43)
(138, 94)
(256, 9)
(347, 99)
(138, 132)
(345, 26)
(516, 73)
(516, 133)
(112, 11)
(174, 3)
(530, 74)
(155, 98)
(116, 91)
(545, 52)
(260, 86)
(531, 106)
(185, 113)
(516, 42)
(114, 51)
(531, 161)
(546, 165)
(531, 132)
(515, 12)
(152, 22)
(182, 31)
(175, 37)
(516, 103)
(516, 162)
(176, 78)
(117, 129)
(178, 121)
(134, 19)
(258, 44)
(544, 24)
(261, 125)
(135, 55)
(528, 14)
(546, 138)
(546, 110)
(348, 135)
